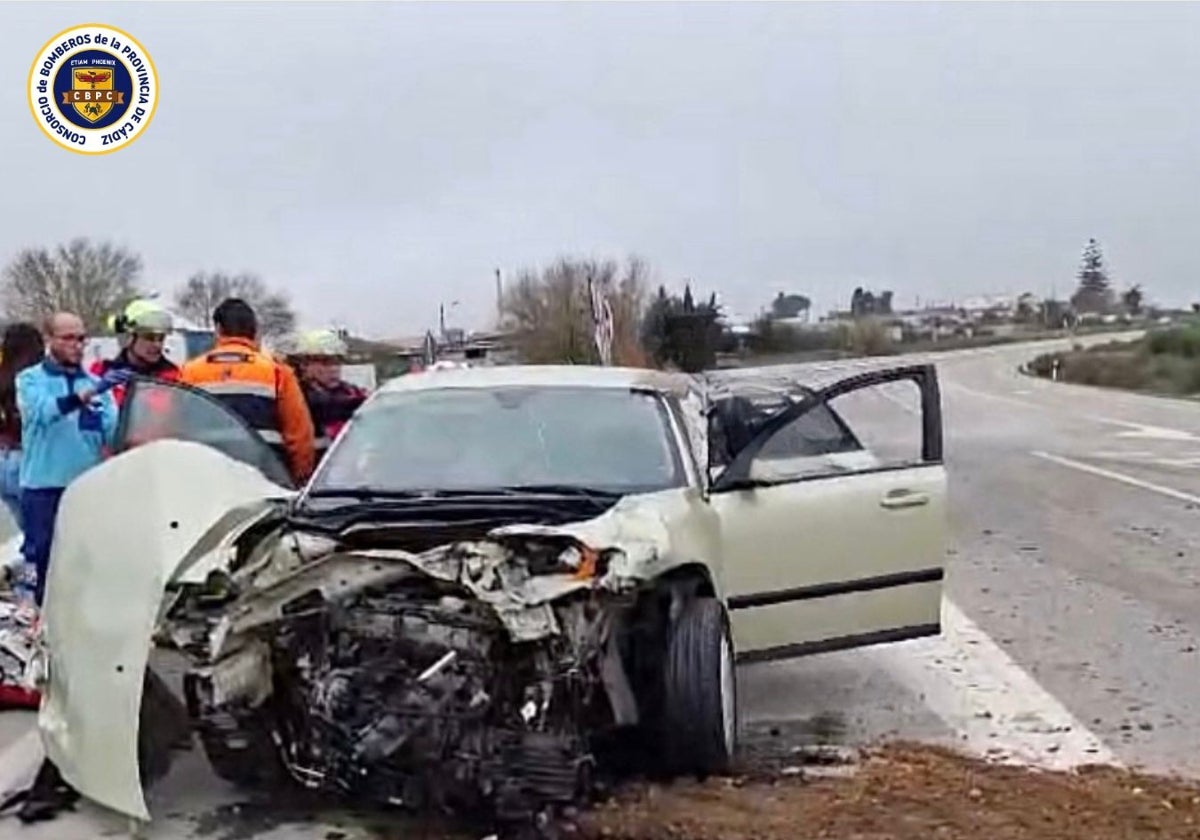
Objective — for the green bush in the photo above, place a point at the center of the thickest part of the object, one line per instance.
(1174, 374)
(1181, 341)
(1109, 370)
(1165, 363)
(769, 336)
(868, 338)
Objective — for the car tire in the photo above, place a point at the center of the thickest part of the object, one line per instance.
(244, 755)
(699, 714)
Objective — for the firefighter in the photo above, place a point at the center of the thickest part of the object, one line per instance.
(317, 356)
(142, 329)
(254, 386)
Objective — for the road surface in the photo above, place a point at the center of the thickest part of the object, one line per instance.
(1071, 628)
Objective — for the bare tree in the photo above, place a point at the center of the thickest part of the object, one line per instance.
(205, 290)
(93, 281)
(548, 312)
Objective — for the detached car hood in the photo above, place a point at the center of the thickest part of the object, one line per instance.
(123, 529)
(171, 511)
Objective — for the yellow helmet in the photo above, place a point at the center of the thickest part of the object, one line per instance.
(141, 316)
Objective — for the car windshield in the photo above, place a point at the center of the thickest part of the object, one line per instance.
(613, 440)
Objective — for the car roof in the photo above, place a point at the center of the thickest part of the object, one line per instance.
(545, 376)
(772, 384)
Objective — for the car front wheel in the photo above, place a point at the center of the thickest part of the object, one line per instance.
(243, 752)
(700, 692)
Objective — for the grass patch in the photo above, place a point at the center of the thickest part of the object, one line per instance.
(1164, 362)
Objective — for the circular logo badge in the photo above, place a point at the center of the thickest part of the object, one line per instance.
(93, 89)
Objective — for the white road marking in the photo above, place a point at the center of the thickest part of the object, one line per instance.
(1116, 476)
(1141, 430)
(1186, 463)
(955, 387)
(994, 706)
(1188, 458)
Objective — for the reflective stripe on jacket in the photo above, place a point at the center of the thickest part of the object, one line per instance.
(262, 392)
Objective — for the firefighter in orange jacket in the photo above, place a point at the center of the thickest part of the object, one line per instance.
(260, 390)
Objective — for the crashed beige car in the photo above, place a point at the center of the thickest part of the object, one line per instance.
(496, 578)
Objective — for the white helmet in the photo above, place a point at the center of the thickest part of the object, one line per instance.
(318, 343)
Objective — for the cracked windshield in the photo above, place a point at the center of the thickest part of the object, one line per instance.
(613, 421)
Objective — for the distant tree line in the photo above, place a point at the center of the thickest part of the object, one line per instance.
(96, 280)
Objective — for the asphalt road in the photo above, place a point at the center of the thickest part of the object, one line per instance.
(1072, 633)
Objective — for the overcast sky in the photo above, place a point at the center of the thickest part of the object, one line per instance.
(377, 158)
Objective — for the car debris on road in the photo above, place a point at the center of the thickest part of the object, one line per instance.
(17, 638)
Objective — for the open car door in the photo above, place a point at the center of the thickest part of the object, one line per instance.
(188, 478)
(157, 410)
(833, 519)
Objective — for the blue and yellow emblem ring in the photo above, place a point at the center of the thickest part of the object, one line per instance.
(93, 89)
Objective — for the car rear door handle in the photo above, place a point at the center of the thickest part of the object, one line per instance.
(900, 499)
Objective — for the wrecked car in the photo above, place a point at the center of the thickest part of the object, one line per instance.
(495, 575)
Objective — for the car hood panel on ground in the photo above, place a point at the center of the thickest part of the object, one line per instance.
(123, 530)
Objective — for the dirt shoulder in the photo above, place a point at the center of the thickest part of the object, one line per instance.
(901, 791)
(908, 792)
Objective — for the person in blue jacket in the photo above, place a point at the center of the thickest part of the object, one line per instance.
(67, 417)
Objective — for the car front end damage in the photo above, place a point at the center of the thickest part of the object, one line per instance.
(481, 675)
(468, 677)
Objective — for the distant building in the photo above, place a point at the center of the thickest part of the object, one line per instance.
(477, 348)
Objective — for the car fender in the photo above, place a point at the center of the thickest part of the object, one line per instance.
(124, 528)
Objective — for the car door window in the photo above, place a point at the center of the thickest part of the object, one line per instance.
(874, 422)
(155, 410)
(815, 443)
(870, 428)
(887, 420)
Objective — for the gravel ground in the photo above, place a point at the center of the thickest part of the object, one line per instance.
(908, 792)
(899, 791)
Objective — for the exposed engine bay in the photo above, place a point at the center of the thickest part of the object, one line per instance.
(468, 678)
(484, 653)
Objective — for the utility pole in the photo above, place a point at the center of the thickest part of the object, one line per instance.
(499, 299)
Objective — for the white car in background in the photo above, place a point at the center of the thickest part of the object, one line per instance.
(494, 574)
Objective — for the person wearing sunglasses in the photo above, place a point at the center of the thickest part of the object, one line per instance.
(142, 328)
